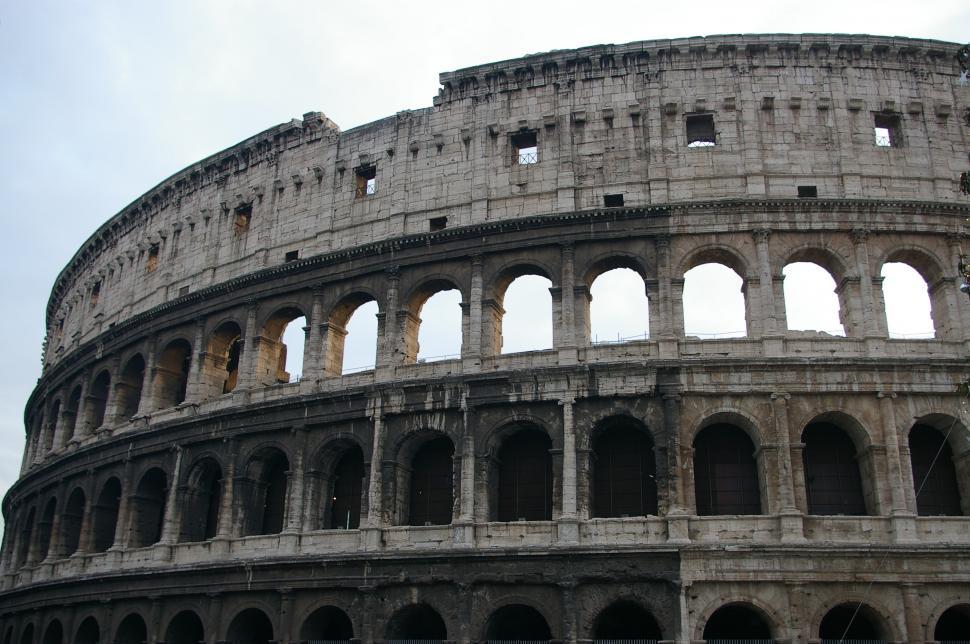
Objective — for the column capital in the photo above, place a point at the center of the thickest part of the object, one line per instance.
(859, 235)
(782, 396)
(567, 247)
(393, 272)
(662, 241)
(761, 235)
(885, 394)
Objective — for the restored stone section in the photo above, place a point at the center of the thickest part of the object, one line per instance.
(177, 487)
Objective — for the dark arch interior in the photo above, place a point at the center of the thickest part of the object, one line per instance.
(148, 509)
(44, 529)
(417, 622)
(848, 622)
(736, 622)
(98, 399)
(346, 489)
(624, 474)
(54, 633)
(725, 472)
(625, 620)
(251, 626)
(934, 475)
(52, 430)
(200, 517)
(185, 628)
(106, 515)
(832, 481)
(129, 387)
(525, 477)
(517, 622)
(953, 625)
(432, 486)
(70, 414)
(173, 374)
(27, 637)
(88, 632)
(8, 635)
(132, 630)
(327, 623)
(26, 536)
(268, 495)
(71, 522)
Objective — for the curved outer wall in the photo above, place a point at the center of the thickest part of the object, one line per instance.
(106, 520)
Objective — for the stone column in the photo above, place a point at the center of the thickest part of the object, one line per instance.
(124, 508)
(196, 387)
(874, 316)
(464, 531)
(471, 345)
(249, 346)
(146, 404)
(56, 546)
(791, 517)
(911, 611)
(313, 346)
(111, 400)
(568, 522)
(664, 328)
(84, 543)
(371, 530)
(569, 611)
(959, 311)
(677, 521)
(215, 616)
(283, 618)
(226, 529)
(569, 334)
(295, 506)
(904, 524)
(82, 426)
(387, 355)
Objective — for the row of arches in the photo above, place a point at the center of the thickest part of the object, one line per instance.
(622, 620)
(300, 338)
(624, 470)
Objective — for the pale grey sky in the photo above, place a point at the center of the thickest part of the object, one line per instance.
(99, 101)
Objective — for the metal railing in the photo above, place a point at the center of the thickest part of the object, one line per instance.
(739, 641)
(528, 158)
(850, 641)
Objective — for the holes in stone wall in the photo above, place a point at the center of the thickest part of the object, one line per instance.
(613, 201)
(934, 474)
(365, 181)
(222, 360)
(714, 305)
(725, 472)
(129, 387)
(736, 622)
(525, 477)
(700, 130)
(242, 218)
(185, 628)
(293, 342)
(517, 622)
(329, 624)
(833, 483)
(619, 310)
(251, 626)
(431, 485)
(525, 147)
(148, 509)
(416, 622)
(105, 515)
(132, 630)
(346, 487)
(201, 501)
(626, 621)
(151, 262)
(71, 522)
(172, 374)
(886, 128)
(623, 473)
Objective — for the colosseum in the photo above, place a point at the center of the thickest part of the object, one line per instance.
(180, 486)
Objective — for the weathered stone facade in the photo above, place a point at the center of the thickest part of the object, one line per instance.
(175, 488)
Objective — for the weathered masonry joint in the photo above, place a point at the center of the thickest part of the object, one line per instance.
(182, 484)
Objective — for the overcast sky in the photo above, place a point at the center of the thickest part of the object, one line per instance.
(99, 101)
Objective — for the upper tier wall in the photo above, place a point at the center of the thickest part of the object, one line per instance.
(787, 111)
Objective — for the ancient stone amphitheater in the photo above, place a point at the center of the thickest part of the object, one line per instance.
(792, 486)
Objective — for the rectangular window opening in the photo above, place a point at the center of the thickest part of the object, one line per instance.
(184, 290)
(807, 192)
(525, 146)
(242, 218)
(437, 223)
(366, 180)
(612, 201)
(291, 256)
(95, 294)
(886, 128)
(151, 263)
(700, 130)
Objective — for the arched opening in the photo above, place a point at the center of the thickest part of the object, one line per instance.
(203, 494)
(105, 515)
(953, 626)
(280, 350)
(725, 472)
(618, 309)
(525, 477)
(132, 630)
(45, 528)
(70, 415)
(907, 301)
(98, 400)
(811, 301)
(148, 509)
(432, 485)
(526, 324)
(8, 635)
(27, 637)
(833, 484)
(251, 626)
(416, 622)
(517, 622)
(172, 374)
(88, 632)
(26, 534)
(328, 623)
(433, 331)
(626, 620)
(351, 335)
(71, 522)
(851, 622)
(346, 487)
(714, 305)
(185, 628)
(54, 633)
(736, 622)
(221, 366)
(52, 430)
(934, 474)
(128, 390)
(264, 492)
(624, 471)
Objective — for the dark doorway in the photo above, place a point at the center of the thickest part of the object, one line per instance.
(132, 630)
(263, 495)
(625, 620)
(525, 477)
(934, 476)
(417, 622)
(725, 472)
(148, 509)
(328, 623)
(251, 626)
(185, 628)
(517, 622)
(736, 621)
(953, 625)
(624, 474)
(129, 387)
(88, 632)
(432, 485)
(27, 637)
(54, 633)
(346, 488)
(832, 481)
(203, 495)
(71, 522)
(849, 621)
(105, 515)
